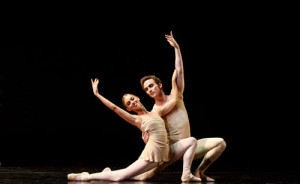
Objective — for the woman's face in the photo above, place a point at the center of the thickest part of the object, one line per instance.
(132, 103)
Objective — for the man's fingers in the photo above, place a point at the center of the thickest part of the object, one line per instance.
(146, 134)
(169, 36)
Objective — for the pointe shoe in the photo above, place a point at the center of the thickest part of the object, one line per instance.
(72, 176)
(189, 177)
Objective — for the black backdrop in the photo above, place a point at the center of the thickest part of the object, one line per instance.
(234, 73)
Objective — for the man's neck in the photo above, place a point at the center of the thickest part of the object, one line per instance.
(161, 99)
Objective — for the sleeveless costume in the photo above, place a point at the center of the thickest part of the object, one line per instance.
(157, 148)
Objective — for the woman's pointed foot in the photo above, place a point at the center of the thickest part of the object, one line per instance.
(190, 178)
(78, 176)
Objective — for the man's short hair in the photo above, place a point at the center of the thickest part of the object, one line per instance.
(156, 80)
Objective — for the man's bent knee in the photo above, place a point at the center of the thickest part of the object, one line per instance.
(222, 143)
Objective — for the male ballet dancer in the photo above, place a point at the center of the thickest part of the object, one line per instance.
(177, 121)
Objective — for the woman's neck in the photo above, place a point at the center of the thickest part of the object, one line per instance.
(142, 111)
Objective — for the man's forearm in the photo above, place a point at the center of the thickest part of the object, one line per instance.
(179, 68)
(178, 60)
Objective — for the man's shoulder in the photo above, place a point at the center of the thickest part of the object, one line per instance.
(162, 102)
(158, 105)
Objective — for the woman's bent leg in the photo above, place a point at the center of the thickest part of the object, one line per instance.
(186, 148)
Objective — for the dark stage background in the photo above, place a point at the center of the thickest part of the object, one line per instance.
(235, 87)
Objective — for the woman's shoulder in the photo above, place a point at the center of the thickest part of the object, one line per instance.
(138, 121)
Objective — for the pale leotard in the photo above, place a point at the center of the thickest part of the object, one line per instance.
(157, 147)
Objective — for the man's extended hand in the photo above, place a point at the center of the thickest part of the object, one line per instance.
(145, 136)
(171, 40)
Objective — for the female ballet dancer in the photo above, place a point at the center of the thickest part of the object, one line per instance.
(156, 150)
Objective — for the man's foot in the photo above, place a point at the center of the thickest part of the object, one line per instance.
(203, 176)
(188, 177)
(84, 176)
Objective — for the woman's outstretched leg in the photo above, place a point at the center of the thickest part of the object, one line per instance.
(136, 168)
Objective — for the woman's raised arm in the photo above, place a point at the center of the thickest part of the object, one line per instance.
(132, 119)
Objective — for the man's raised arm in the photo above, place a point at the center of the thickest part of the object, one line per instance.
(178, 62)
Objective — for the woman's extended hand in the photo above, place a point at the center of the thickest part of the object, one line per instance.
(95, 86)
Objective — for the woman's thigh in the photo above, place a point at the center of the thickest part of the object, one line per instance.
(179, 148)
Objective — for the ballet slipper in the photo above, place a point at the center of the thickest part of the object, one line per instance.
(85, 175)
(189, 177)
(72, 176)
(82, 177)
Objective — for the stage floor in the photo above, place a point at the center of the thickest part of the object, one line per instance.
(57, 175)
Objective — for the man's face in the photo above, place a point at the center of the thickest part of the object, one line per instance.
(151, 88)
